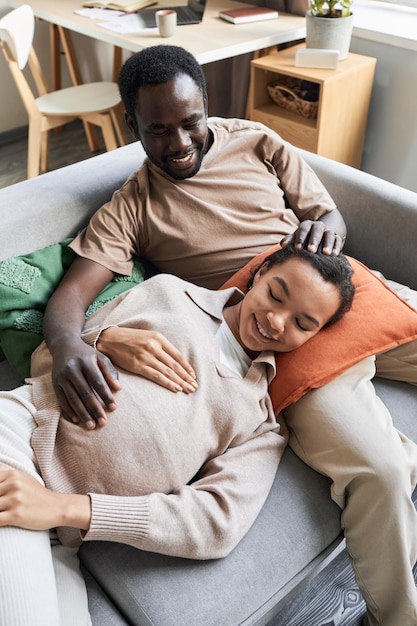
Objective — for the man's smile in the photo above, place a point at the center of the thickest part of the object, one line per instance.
(182, 161)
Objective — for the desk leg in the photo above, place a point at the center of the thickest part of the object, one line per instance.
(74, 70)
(118, 118)
(117, 62)
(70, 56)
(54, 46)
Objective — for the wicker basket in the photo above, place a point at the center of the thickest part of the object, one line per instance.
(286, 92)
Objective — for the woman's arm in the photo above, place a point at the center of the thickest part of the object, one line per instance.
(148, 354)
(26, 503)
(203, 520)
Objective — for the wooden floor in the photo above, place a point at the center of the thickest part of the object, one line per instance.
(331, 599)
(67, 145)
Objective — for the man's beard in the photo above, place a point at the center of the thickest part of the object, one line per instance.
(202, 149)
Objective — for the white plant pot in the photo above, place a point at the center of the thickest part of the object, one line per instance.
(329, 33)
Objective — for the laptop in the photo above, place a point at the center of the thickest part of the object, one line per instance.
(191, 13)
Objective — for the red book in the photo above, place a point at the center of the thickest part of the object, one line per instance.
(250, 14)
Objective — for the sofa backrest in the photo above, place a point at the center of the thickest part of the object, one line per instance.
(381, 217)
(56, 205)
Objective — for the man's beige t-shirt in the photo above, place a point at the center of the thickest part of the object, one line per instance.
(252, 189)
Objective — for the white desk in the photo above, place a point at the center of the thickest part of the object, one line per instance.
(212, 40)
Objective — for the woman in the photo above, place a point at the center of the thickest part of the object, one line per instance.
(183, 474)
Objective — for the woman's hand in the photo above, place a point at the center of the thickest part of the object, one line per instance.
(148, 354)
(25, 503)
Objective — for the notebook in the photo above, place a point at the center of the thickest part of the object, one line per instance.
(191, 13)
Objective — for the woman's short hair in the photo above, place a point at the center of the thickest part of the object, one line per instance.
(333, 269)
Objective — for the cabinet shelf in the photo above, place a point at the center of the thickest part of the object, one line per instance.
(288, 116)
(338, 132)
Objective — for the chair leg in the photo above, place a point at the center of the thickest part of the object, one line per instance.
(34, 148)
(75, 74)
(44, 151)
(91, 134)
(108, 132)
(114, 114)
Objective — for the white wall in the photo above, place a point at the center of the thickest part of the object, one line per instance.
(391, 138)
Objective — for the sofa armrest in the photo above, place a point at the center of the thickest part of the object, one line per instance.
(381, 218)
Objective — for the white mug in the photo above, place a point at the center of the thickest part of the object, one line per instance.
(166, 20)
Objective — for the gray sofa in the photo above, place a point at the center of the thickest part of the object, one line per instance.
(298, 531)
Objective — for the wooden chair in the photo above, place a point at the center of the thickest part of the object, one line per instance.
(93, 103)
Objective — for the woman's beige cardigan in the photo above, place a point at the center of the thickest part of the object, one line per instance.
(183, 475)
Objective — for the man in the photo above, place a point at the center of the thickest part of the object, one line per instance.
(210, 197)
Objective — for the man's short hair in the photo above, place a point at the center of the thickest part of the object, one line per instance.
(156, 65)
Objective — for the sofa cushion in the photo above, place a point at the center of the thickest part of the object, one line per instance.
(295, 530)
(378, 320)
(26, 284)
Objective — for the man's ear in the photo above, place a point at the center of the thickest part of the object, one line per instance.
(132, 125)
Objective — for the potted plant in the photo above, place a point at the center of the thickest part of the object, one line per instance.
(329, 25)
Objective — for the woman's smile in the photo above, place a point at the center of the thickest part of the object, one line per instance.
(262, 331)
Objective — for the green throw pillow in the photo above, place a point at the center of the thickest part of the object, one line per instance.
(26, 284)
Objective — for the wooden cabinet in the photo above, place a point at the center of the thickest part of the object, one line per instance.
(338, 131)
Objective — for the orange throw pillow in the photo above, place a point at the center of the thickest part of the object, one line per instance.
(378, 320)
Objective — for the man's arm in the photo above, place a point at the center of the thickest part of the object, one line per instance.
(83, 378)
(330, 229)
(320, 220)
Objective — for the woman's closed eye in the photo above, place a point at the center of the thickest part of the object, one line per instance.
(302, 327)
(274, 297)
